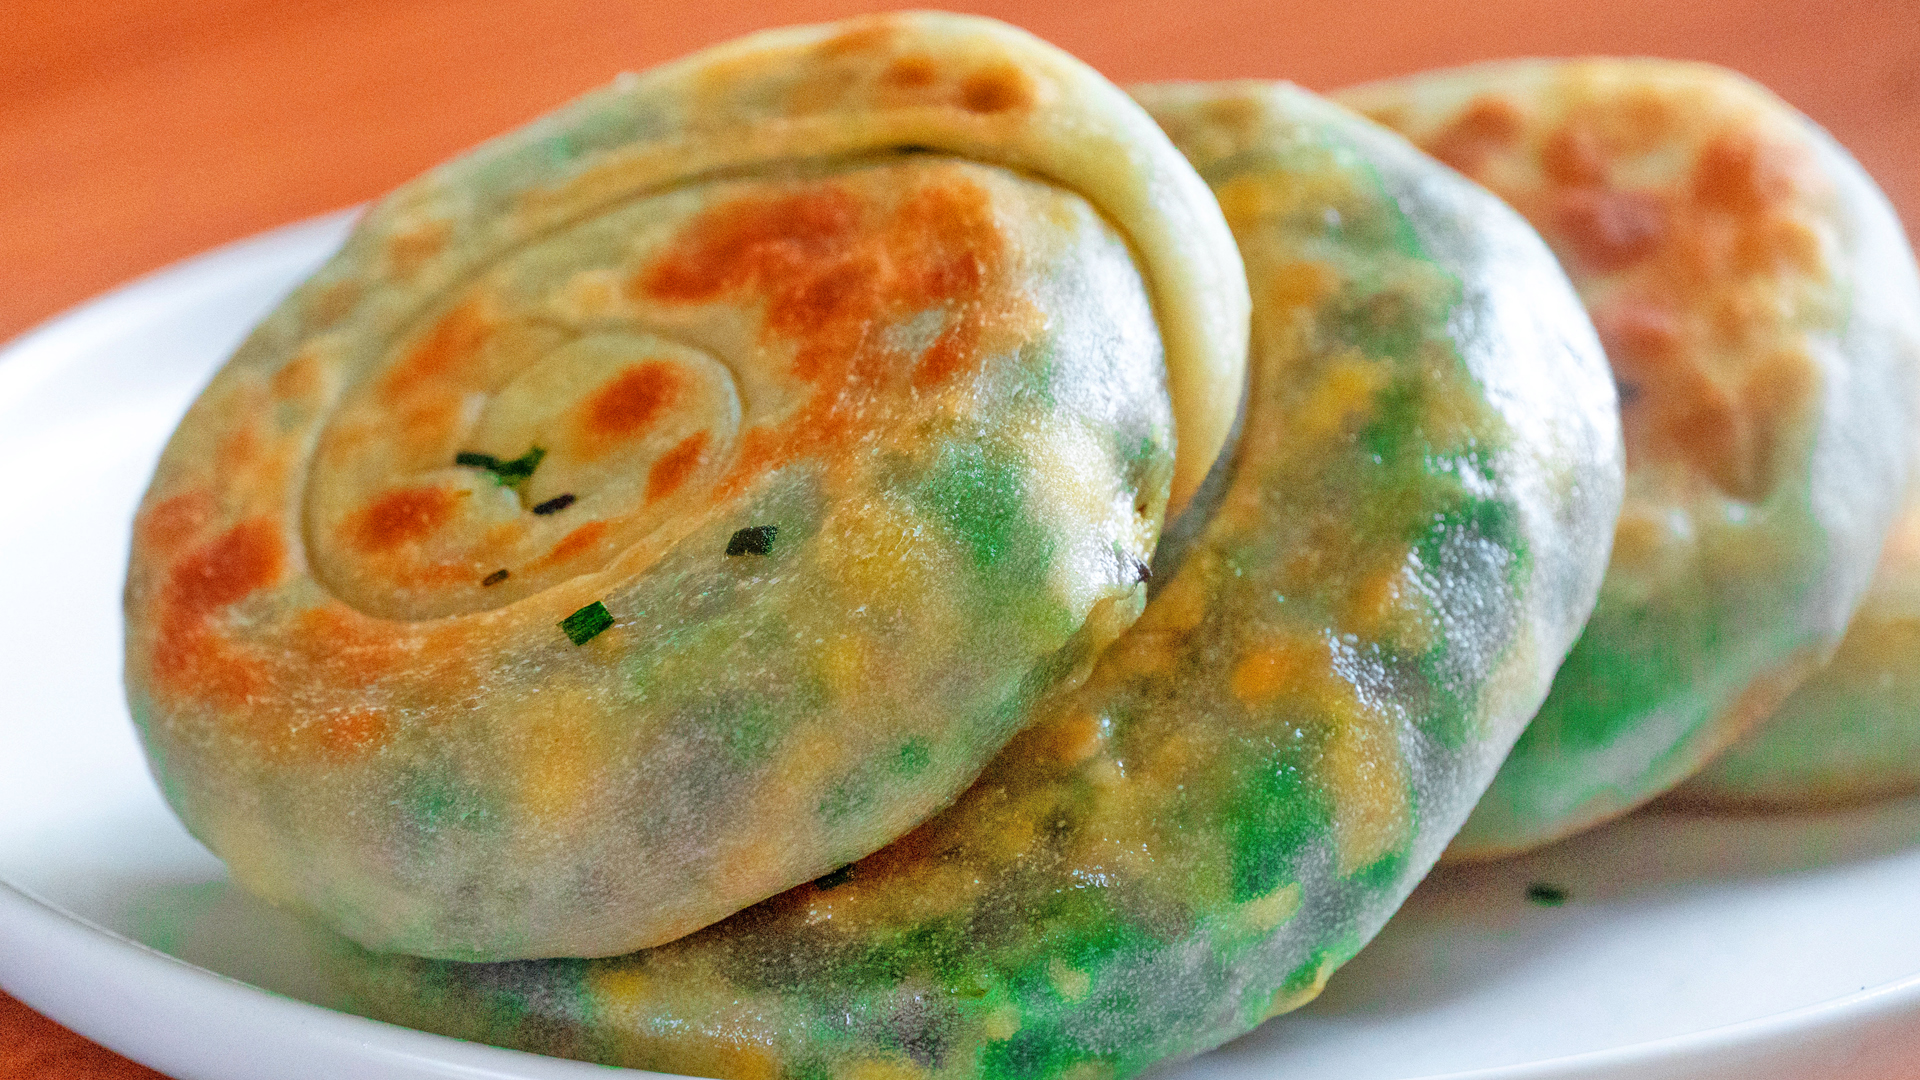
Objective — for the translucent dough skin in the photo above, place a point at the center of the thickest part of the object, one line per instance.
(1851, 732)
(843, 281)
(1755, 296)
(1407, 539)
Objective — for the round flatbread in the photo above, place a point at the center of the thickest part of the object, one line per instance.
(684, 495)
(1405, 541)
(1851, 732)
(1747, 280)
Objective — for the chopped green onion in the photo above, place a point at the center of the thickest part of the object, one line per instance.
(586, 624)
(753, 540)
(1546, 895)
(505, 473)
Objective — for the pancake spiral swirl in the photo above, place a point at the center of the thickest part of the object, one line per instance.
(684, 495)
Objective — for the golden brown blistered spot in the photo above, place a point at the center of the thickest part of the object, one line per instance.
(1641, 119)
(168, 524)
(346, 736)
(426, 429)
(911, 73)
(1779, 244)
(827, 269)
(1489, 125)
(1740, 174)
(1716, 428)
(577, 543)
(1274, 668)
(1239, 117)
(190, 657)
(1073, 739)
(329, 304)
(822, 90)
(1373, 601)
(956, 350)
(300, 380)
(674, 466)
(871, 35)
(454, 342)
(997, 89)
(1300, 285)
(628, 405)
(1394, 117)
(403, 516)
(1712, 265)
(239, 447)
(347, 650)
(1574, 156)
(410, 249)
(1605, 231)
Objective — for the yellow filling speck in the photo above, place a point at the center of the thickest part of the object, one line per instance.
(1070, 983)
(1001, 1023)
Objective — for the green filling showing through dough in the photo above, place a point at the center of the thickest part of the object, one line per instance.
(1283, 809)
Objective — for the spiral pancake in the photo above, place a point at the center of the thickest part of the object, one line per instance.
(684, 495)
(1750, 285)
(1407, 539)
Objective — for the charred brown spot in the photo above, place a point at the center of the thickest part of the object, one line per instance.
(676, 465)
(403, 516)
(1605, 231)
(1001, 88)
(1489, 125)
(632, 401)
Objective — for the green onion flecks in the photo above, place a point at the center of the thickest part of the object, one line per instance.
(584, 625)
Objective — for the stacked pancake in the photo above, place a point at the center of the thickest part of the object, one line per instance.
(869, 549)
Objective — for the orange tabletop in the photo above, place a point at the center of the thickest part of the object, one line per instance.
(135, 132)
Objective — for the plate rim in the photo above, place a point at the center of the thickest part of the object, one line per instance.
(35, 934)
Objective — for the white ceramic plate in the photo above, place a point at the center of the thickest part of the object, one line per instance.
(1756, 949)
